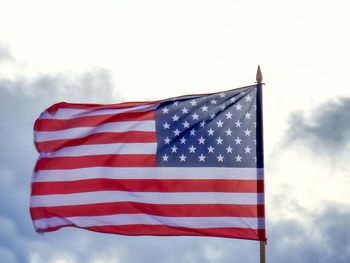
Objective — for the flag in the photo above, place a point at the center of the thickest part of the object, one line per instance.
(190, 165)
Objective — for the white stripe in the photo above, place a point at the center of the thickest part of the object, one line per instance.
(149, 173)
(98, 149)
(147, 197)
(134, 219)
(65, 113)
(80, 132)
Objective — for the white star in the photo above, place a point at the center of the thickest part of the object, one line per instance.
(166, 125)
(238, 123)
(248, 98)
(165, 111)
(229, 149)
(248, 115)
(228, 132)
(247, 132)
(182, 158)
(219, 123)
(211, 149)
(184, 110)
(195, 116)
(233, 99)
(166, 140)
(186, 124)
(176, 132)
(238, 140)
(165, 158)
(229, 115)
(201, 140)
(238, 158)
(193, 102)
(193, 132)
(219, 140)
(254, 124)
(213, 101)
(202, 123)
(202, 158)
(212, 116)
(222, 95)
(247, 149)
(183, 140)
(173, 149)
(175, 118)
(222, 107)
(238, 107)
(220, 158)
(192, 149)
(175, 103)
(204, 108)
(210, 131)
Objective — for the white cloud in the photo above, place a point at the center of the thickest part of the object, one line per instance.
(111, 255)
(213, 254)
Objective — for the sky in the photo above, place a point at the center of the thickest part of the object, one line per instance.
(115, 51)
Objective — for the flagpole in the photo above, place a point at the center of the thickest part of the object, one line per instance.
(262, 252)
(259, 79)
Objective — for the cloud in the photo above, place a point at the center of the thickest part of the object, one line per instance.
(307, 177)
(326, 237)
(5, 54)
(7, 256)
(334, 228)
(326, 131)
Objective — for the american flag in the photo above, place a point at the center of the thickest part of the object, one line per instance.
(191, 165)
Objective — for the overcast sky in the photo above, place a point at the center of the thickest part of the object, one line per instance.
(114, 51)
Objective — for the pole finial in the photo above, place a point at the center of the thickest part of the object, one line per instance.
(259, 77)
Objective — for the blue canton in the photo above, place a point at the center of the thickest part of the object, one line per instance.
(212, 130)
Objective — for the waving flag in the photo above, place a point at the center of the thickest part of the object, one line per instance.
(190, 165)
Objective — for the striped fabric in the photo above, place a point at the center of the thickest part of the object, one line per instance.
(107, 168)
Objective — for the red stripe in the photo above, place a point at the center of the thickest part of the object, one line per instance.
(163, 230)
(92, 107)
(177, 210)
(98, 138)
(90, 121)
(148, 185)
(107, 160)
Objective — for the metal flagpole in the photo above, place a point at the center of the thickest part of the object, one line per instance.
(259, 79)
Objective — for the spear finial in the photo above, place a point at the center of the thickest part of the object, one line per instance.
(259, 77)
